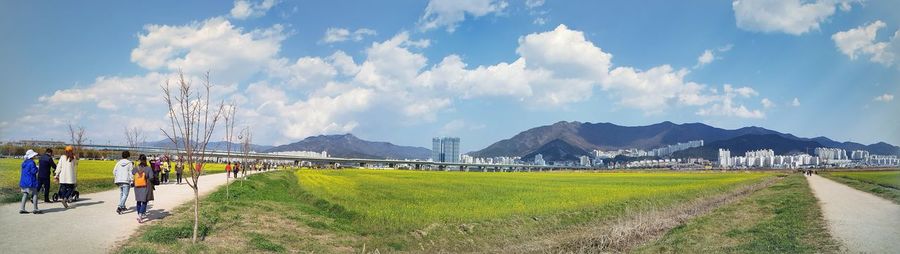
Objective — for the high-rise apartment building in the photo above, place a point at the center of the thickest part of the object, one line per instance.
(445, 149)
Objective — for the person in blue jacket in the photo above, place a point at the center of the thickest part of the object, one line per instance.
(29, 182)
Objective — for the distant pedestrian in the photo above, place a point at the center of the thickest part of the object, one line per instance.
(237, 168)
(67, 175)
(165, 171)
(179, 170)
(228, 170)
(123, 177)
(143, 186)
(154, 165)
(28, 182)
(46, 169)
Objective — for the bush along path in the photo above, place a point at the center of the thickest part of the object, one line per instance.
(90, 225)
(862, 222)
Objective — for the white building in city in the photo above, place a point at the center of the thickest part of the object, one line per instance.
(585, 161)
(724, 158)
(539, 160)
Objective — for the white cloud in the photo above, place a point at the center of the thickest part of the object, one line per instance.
(725, 105)
(794, 17)
(861, 41)
(307, 71)
(302, 118)
(795, 102)
(333, 34)
(767, 103)
(884, 97)
(534, 3)
(213, 45)
(244, 9)
(566, 52)
(113, 93)
(455, 126)
(448, 13)
(390, 65)
(705, 58)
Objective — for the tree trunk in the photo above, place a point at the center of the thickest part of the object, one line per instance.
(196, 214)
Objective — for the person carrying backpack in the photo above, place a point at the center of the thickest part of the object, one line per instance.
(143, 186)
(122, 177)
(46, 168)
(29, 182)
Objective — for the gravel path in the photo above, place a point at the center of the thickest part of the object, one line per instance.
(90, 225)
(861, 221)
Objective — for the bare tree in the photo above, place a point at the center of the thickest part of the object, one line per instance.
(192, 124)
(246, 141)
(76, 134)
(229, 138)
(135, 137)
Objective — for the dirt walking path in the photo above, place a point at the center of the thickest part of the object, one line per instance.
(90, 225)
(861, 221)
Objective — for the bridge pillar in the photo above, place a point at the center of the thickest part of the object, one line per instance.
(391, 165)
(418, 166)
(362, 165)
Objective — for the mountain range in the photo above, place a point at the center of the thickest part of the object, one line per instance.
(582, 138)
(349, 146)
(566, 141)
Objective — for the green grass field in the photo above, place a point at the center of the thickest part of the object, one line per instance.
(882, 183)
(394, 210)
(784, 218)
(93, 176)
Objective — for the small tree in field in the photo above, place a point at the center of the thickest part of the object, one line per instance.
(229, 138)
(135, 137)
(192, 124)
(76, 135)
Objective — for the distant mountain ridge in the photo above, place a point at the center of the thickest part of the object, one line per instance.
(607, 136)
(349, 146)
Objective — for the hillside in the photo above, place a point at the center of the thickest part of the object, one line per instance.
(349, 146)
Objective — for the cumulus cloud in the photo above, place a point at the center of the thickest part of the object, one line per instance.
(333, 34)
(795, 102)
(244, 9)
(448, 13)
(112, 93)
(860, 41)
(213, 45)
(726, 106)
(884, 97)
(794, 17)
(534, 3)
(767, 103)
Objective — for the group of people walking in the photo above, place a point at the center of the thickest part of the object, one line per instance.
(142, 176)
(36, 178)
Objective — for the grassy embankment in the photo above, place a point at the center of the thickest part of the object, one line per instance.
(784, 218)
(391, 210)
(885, 184)
(93, 176)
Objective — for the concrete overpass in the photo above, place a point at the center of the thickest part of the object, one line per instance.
(335, 162)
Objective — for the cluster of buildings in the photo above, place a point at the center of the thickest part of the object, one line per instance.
(766, 158)
(658, 152)
(309, 154)
(445, 149)
(465, 158)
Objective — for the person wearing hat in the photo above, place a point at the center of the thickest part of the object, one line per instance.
(67, 175)
(29, 182)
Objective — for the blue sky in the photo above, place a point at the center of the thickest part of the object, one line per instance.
(483, 70)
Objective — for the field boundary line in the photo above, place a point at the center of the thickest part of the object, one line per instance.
(621, 235)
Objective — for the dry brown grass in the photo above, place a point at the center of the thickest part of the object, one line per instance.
(620, 235)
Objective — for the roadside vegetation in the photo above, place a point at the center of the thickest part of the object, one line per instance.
(93, 176)
(885, 184)
(783, 218)
(393, 210)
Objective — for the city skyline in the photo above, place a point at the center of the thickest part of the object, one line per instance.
(405, 72)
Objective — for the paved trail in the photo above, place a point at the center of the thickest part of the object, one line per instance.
(861, 221)
(90, 225)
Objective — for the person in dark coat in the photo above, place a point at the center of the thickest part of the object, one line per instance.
(143, 187)
(46, 169)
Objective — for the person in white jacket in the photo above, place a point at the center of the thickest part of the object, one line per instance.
(66, 174)
(123, 179)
